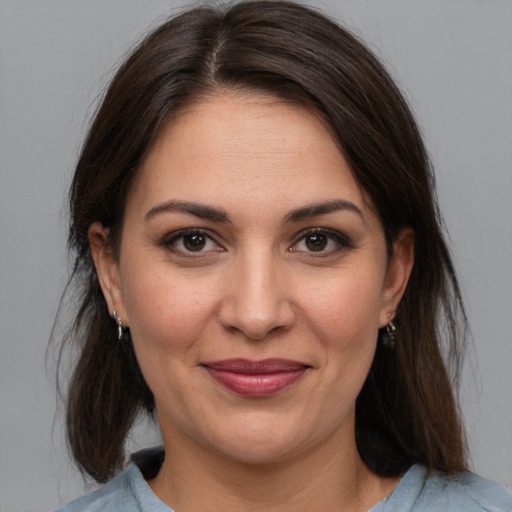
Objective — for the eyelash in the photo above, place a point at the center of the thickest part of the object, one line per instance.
(169, 241)
(342, 242)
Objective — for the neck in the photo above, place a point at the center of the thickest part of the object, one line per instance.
(192, 479)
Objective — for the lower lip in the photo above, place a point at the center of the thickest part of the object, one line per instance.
(258, 385)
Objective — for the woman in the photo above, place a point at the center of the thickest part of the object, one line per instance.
(254, 222)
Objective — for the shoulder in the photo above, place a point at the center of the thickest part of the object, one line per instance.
(117, 495)
(129, 491)
(420, 491)
(469, 492)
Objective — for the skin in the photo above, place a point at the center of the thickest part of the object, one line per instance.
(258, 288)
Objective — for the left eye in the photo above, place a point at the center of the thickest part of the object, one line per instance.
(320, 241)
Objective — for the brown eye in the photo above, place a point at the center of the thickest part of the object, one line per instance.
(194, 242)
(316, 242)
(323, 242)
(190, 243)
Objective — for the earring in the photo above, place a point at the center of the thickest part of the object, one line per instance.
(389, 338)
(119, 325)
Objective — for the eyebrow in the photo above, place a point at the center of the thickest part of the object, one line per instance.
(199, 210)
(218, 215)
(317, 209)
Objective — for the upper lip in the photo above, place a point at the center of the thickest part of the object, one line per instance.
(248, 367)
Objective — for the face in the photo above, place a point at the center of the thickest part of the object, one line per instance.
(254, 277)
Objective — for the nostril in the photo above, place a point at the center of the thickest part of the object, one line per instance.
(256, 326)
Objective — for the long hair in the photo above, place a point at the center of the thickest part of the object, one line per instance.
(406, 412)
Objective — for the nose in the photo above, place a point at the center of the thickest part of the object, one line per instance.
(257, 300)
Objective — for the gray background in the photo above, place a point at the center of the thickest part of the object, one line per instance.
(451, 57)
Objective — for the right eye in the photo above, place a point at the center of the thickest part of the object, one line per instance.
(190, 241)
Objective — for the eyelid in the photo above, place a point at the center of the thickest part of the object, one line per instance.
(170, 239)
(339, 238)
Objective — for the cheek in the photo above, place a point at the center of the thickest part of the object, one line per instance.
(345, 311)
(168, 318)
(167, 311)
(348, 322)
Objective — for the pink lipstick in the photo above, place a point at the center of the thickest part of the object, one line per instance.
(255, 378)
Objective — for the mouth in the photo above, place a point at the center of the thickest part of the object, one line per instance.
(256, 378)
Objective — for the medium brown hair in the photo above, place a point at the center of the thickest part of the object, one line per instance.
(406, 412)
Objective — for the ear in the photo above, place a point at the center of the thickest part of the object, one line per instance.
(397, 274)
(107, 269)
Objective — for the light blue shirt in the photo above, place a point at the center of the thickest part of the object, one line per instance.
(417, 491)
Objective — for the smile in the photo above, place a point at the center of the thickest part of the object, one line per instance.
(256, 378)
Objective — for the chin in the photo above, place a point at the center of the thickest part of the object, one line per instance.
(258, 453)
(261, 444)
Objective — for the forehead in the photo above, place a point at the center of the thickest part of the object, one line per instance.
(244, 146)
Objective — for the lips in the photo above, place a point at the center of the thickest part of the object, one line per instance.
(256, 378)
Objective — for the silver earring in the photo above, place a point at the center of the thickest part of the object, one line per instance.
(119, 325)
(389, 338)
